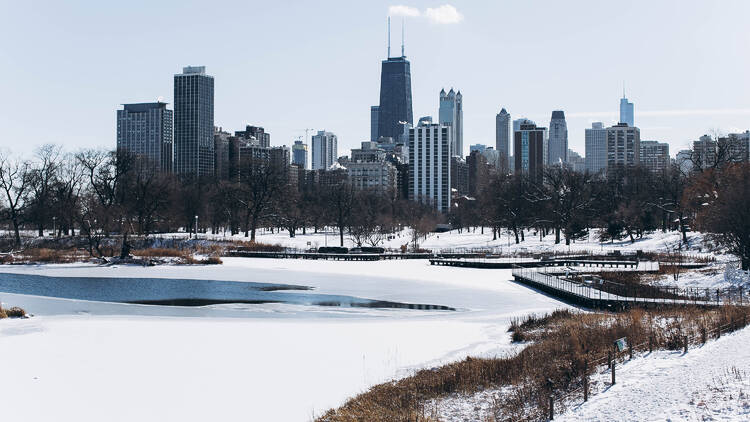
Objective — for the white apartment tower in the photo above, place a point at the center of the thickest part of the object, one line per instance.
(324, 150)
(430, 152)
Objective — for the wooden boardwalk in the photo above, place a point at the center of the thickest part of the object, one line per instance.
(590, 295)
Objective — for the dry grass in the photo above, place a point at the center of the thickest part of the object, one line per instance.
(554, 363)
(14, 312)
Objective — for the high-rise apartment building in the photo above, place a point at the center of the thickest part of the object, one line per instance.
(655, 156)
(704, 152)
(324, 150)
(145, 130)
(558, 139)
(626, 111)
(576, 162)
(596, 148)
(430, 165)
(502, 138)
(299, 154)
(452, 114)
(257, 133)
(194, 122)
(530, 150)
(623, 146)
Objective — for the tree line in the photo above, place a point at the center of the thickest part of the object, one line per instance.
(98, 194)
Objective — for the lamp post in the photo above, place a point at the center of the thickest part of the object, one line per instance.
(54, 226)
(196, 227)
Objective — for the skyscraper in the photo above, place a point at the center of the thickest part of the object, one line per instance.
(530, 150)
(324, 150)
(430, 165)
(145, 130)
(194, 122)
(623, 146)
(299, 154)
(558, 139)
(596, 148)
(451, 114)
(626, 111)
(374, 122)
(395, 109)
(502, 138)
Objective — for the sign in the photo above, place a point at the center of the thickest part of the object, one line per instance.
(621, 344)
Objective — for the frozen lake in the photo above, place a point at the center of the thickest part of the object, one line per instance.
(269, 361)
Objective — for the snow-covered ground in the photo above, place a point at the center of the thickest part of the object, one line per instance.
(709, 383)
(92, 361)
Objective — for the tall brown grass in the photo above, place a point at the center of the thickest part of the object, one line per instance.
(563, 344)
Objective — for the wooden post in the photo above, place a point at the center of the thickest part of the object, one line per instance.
(609, 359)
(650, 343)
(613, 372)
(551, 407)
(685, 343)
(630, 349)
(718, 330)
(586, 380)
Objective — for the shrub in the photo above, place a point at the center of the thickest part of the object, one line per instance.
(15, 312)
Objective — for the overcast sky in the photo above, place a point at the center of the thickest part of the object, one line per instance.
(65, 66)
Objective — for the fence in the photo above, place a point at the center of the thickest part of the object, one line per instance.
(586, 388)
(598, 293)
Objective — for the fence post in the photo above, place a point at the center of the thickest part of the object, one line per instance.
(630, 349)
(586, 380)
(613, 372)
(650, 343)
(551, 407)
(718, 329)
(609, 360)
(685, 343)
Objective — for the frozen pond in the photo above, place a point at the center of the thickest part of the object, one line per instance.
(184, 292)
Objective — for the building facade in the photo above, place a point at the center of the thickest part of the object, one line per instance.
(704, 152)
(502, 139)
(194, 122)
(429, 165)
(257, 133)
(395, 108)
(479, 172)
(530, 149)
(145, 130)
(299, 154)
(596, 148)
(623, 146)
(558, 139)
(324, 150)
(655, 156)
(374, 122)
(459, 176)
(451, 114)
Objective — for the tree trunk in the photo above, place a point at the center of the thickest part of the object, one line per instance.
(557, 235)
(515, 232)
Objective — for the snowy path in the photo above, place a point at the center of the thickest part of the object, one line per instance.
(670, 386)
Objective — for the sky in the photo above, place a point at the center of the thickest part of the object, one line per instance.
(288, 66)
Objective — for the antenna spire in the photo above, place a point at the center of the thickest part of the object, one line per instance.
(389, 37)
(623, 89)
(402, 38)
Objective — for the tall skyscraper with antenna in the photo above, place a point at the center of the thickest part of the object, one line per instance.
(394, 114)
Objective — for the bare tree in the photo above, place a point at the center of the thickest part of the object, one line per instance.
(14, 182)
(43, 176)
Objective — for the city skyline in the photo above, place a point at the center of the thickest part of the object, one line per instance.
(676, 103)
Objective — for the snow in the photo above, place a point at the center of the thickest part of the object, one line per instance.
(91, 361)
(710, 382)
